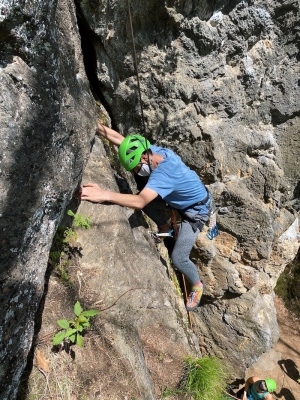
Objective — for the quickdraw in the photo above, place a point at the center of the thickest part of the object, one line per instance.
(158, 236)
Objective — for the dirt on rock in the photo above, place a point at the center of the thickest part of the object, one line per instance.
(67, 371)
(97, 370)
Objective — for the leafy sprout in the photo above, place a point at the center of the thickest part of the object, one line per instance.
(73, 328)
(80, 220)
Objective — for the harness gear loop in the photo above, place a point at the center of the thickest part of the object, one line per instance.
(175, 227)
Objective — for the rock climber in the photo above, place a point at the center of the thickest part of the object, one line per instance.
(256, 389)
(175, 183)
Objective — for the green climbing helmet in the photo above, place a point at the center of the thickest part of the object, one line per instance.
(271, 385)
(131, 149)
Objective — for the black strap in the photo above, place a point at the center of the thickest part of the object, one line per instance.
(202, 202)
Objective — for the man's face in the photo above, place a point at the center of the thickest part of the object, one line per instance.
(143, 160)
(137, 168)
(144, 167)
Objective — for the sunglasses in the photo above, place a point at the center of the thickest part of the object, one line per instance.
(262, 386)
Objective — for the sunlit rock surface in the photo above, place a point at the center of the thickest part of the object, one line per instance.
(220, 86)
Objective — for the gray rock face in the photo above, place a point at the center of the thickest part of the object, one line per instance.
(46, 134)
(119, 255)
(220, 86)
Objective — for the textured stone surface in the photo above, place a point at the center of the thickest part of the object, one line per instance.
(46, 132)
(220, 86)
(118, 254)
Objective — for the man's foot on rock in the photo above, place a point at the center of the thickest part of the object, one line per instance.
(194, 298)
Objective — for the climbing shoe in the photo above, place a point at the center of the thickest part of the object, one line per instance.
(194, 298)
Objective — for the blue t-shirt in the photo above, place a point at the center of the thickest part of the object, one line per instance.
(176, 183)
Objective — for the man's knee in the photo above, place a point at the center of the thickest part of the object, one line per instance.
(177, 257)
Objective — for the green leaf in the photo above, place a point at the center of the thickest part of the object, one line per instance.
(85, 324)
(77, 308)
(80, 328)
(86, 223)
(70, 332)
(73, 338)
(63, 323)
(79, 340)
(82, 319)
(90, 313)
(58, 338)
(70, 212)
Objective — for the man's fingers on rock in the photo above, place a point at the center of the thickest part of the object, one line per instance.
(89, 184)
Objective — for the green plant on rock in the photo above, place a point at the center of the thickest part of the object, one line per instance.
(80, 220)
(288, 286)
(204, 379)
(61, 253)
(73, 329)
(63, 247)
(102, 120)
(176, 284)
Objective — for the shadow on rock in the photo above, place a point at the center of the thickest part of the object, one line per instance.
(285, 394)
(290, 368)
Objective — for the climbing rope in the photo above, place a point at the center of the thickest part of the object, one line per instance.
(144, 128)
(136, 68)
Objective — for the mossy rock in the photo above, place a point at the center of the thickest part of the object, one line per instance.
(288, 286)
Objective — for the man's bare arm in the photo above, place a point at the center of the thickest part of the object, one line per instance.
(92, 192)
(113, 136)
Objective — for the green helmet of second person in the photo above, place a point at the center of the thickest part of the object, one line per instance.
(131, 149)
(271, 385)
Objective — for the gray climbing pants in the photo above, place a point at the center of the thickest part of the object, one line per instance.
(191, 226)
